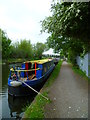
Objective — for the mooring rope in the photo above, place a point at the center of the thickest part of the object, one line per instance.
(34, 90)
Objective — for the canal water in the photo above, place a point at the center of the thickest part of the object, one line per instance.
(11, 107)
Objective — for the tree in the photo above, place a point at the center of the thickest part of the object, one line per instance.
(24, 49)
(67, 20)
(6, 42)
(39, 49)
(69, 27)
(14, 51)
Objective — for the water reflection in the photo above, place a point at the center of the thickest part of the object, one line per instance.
(17, 105)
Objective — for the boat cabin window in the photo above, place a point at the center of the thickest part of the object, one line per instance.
(33, 65)
(30, 67)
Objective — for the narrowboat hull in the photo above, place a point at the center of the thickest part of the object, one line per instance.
(23, 90)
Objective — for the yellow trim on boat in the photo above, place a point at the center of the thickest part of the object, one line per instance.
(39, 61)
(23, 70)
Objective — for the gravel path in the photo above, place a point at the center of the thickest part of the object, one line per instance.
(69, 95)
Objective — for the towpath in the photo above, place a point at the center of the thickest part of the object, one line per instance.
(69, 95)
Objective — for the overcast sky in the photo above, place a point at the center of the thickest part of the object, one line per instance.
(21, 19)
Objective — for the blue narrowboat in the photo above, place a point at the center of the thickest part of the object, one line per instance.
(31, 73)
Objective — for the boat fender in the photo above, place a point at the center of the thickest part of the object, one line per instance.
(15, 83)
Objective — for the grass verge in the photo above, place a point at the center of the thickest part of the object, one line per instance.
(0, 61)
(36, 109)
(80, 72)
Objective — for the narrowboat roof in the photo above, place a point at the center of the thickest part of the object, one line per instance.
(39, 61)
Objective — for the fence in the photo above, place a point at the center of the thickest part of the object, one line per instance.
(84, 63)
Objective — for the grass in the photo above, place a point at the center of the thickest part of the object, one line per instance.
(54, 74)
(0, 61)
(77, 70)
(36, 109)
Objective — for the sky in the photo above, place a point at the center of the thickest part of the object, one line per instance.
(20, 19)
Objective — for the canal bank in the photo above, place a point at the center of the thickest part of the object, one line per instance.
(68, 97)
(13, 61)
(36, 109)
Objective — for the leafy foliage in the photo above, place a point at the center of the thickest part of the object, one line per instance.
(39, 49)
(23, 49)
(5, 46)
(67, 20)
(69, 27)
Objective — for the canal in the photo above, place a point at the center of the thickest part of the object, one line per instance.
(11, 107)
